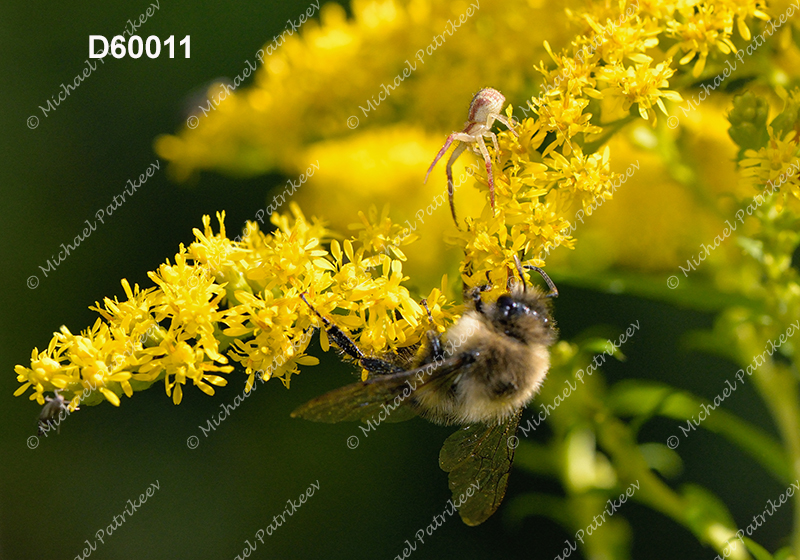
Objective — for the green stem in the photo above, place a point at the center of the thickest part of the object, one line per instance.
(778, 388)
(616, 439)
(644, 399)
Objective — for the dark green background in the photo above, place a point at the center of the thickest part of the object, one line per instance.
(213, 498)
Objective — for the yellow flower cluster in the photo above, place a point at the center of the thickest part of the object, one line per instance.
(617, 62)
(229, 301)
(310, 86)
(342, 67)
(703, 27)
(775, 168)
(535, 202)
(239, 301)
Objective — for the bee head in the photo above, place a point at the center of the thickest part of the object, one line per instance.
(524, 315)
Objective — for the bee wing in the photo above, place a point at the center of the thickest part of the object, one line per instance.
(479, 455)
(363, 400)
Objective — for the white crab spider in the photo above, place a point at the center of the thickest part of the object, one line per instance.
(483, 111)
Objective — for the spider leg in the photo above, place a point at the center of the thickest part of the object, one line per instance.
(488, 160)
(506, 122)
(450, 188)
(493, 136)
(447, 143)
(557, 129)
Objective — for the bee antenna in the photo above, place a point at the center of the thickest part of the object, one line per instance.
(521, 274)
(553, 293)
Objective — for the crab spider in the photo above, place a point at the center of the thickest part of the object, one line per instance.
(483, 111)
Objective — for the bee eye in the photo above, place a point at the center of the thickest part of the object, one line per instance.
(506, 306)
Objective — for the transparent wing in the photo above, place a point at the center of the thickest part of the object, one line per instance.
(479, 457)
(364, 400)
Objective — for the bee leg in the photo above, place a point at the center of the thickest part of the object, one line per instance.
(336, 334)
(475, 294)
(47, 425)
(348, 346)
(376, 366)
(504, 388)
(435, 351)
(424, 303)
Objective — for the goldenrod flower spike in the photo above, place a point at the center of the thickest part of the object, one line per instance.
(226, 300)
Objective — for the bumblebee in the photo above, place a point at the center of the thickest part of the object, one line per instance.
(479, 374)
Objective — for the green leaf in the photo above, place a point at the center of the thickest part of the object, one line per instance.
(705, 509)
(692, 292)
(536, 458)
(647, 398)
(662, 459)
(757, 550)
(785, 553)
(544, 505)
(600, 345)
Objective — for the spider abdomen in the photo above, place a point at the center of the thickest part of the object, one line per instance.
(486, 102)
